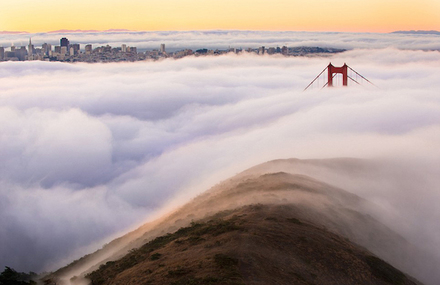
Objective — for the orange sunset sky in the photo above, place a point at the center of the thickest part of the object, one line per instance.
(293, 15)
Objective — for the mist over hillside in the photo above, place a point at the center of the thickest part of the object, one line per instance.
(92, 151)
(247, 218)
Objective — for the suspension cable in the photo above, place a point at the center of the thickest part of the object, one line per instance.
(315, 79)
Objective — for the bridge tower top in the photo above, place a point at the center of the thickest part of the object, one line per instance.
(333, 70)
(347, 73)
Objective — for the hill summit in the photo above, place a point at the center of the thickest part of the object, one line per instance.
(263, 226)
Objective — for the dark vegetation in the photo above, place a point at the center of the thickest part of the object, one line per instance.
(187, 236)
(155, 256)
(224, 261)
(11, 277)
(384, 271)
(256, 244)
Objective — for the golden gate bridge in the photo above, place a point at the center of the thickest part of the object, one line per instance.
(337, 75)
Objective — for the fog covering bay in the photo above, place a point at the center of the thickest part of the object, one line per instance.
(89, 151)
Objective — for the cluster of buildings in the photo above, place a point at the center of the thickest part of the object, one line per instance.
(69, 52)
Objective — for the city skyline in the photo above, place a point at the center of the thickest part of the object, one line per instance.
(71, 52)
(338, 15)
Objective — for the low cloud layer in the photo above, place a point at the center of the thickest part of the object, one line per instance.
(89, 151)
(224, 39)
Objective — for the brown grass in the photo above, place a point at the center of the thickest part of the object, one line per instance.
(256, 244)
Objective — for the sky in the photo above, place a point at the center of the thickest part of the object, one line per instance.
(89, 151)
(182, 15)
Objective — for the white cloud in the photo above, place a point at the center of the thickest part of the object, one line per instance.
(90, 150)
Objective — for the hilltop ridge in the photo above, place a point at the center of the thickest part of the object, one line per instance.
(258, 199)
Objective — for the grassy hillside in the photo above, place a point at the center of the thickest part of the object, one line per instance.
(256, 244)
(260, 220)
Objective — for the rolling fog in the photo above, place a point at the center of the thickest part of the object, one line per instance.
(223, 39)
(89, 151)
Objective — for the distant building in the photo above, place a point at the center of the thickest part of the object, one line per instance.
(98, 50)
(202, 51)
(38, 55)
(2, 53)
(57, 49)
(124, 48)
(21, 53)
(88, 49)
(261, 50)
(30, 50)
(74, 49)
(107, 48)
(64, 42)
(63, 50)
(162, 48)
(10, 55)
(46, 48)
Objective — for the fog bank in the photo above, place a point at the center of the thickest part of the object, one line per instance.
(223, 39)
(89, 151)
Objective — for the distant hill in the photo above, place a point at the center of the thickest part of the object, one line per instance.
(263, 226)
(12, 32)
(68, 31)
(88, 31)
(418, 32)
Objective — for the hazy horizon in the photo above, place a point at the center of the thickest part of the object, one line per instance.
(223, 39)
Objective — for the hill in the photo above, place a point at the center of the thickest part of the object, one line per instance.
(257, 244)
(418, 32)
(267, 227)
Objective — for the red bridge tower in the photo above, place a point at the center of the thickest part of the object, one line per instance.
(332, 70)
(347, 73)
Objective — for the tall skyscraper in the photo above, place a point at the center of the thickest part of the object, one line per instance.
(162, 48)
(124, 48)
(2, 53)
(30, 50)
(64, 42)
